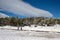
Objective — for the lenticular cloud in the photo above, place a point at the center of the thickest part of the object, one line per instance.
(19, 7)
(2, 15)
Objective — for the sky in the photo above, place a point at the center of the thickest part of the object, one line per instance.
(30, 8)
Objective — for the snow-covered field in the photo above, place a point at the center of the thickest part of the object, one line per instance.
(55, 28)
(27, 35)
(51, 33)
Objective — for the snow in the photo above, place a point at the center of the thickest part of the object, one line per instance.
(55, 28)
(30, 33)
(23, 35)
(8, 27)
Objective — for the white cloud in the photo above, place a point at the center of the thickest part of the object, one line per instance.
(2, 15)
(21, 8)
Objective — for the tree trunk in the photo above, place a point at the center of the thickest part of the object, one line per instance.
(18, 28)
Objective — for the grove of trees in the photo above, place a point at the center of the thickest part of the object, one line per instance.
(21, 22)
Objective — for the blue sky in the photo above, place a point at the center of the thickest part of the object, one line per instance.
(52, 6)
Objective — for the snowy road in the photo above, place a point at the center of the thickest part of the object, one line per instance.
(27, 35)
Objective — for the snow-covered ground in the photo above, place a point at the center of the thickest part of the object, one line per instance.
(27, 35)
(55, 28)
(50, 33)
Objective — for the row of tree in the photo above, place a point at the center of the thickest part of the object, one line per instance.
(15, 21)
